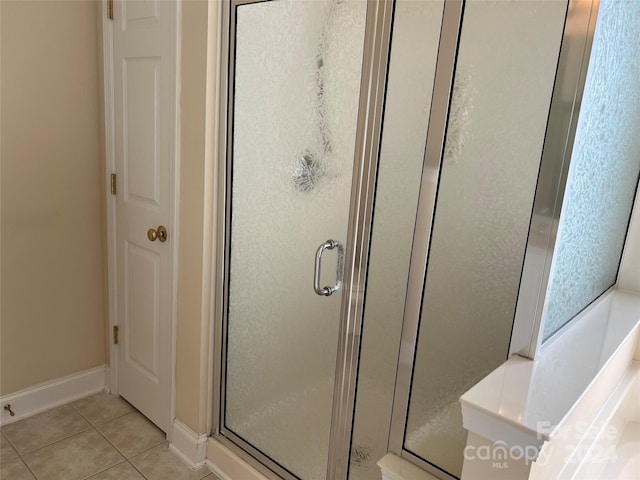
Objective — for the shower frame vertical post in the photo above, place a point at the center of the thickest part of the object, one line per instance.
(434, 150)
(377, 45)
(571, 76)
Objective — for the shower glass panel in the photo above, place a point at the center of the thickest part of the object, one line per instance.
(503, 82)
(604, 169)
(412, 62)
(295, 88)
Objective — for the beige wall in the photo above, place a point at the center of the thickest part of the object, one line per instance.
(52, 313)
(54, 303)
(192, 329)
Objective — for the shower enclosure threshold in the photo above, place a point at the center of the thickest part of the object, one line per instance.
(292, 409)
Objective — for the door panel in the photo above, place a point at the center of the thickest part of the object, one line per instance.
(144, 101)
(142, 319)
(139, 10)
(290, 165)
(140, 97)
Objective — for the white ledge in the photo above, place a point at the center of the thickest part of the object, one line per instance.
(396, 468)
(524, 402)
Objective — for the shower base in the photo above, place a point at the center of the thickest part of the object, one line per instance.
(291, 432)
(437, 436)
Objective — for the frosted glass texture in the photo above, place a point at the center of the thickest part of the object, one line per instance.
(604, 169)
(412, 62)
(502, 90)
(295, 103)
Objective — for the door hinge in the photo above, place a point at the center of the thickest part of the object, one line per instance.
(110, 9)
(115, 334)
(113, 184)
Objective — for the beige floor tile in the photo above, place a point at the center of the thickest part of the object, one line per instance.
(132, 434)
(44, 429)
(123, 471)
(74, 458)
(102, 407)
(6, 450)
(15, 470)
(212, 476)
(160, 464)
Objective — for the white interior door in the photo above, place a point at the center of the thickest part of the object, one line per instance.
(144, 105)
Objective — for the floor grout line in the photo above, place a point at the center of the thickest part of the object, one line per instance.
(57, 441)
(150, 448)
(102, 471)
(138, 470)
(29, 468)
(90, 428)
(19, 456)
(126, 459)
(95, 425)
(121, 452)
(22, 455)
(10, 443)
(50, 445)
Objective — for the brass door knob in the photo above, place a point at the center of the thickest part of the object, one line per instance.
(159, 234)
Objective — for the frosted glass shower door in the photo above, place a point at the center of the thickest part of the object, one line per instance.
(505, 68)
(294, 86)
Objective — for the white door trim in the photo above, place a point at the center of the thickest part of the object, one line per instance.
(110, 164)
(212, 127)
(175, 219)
(215, 51)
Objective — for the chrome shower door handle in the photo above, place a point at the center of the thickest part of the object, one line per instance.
(328, 290)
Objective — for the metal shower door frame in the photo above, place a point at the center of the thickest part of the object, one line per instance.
(377, 40)
(528, 322)
(434, 150)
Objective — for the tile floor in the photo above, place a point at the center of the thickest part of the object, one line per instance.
(100, 437)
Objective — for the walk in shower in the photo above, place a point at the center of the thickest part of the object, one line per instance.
(380, 163)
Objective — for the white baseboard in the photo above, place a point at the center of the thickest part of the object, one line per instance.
(190, 447)
(53, 393)
(397, 468)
